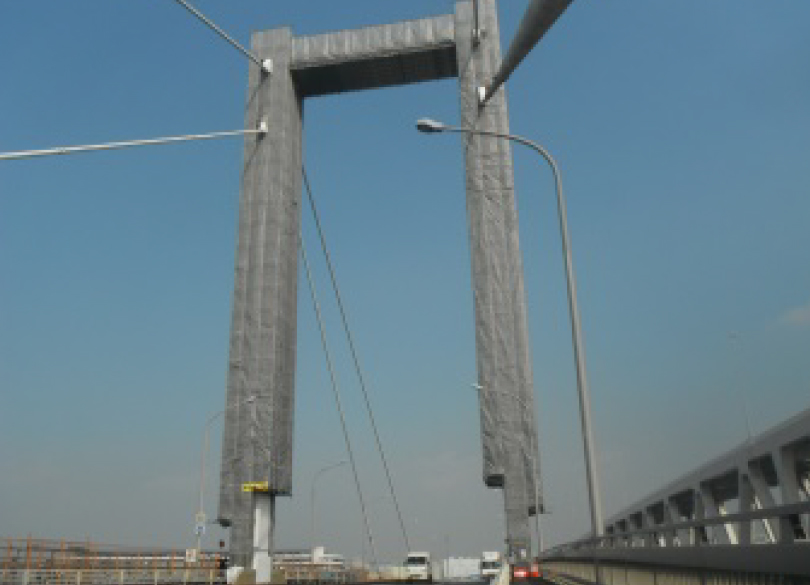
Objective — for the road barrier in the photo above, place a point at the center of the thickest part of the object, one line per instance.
(31, 561)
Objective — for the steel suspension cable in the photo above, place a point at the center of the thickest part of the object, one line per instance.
(338, 402)
(265, 64)
(355, 358)
(261, 130)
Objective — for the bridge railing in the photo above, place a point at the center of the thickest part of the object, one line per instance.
(31, 561)
(689, 544)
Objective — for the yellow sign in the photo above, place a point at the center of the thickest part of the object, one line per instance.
(256, 486)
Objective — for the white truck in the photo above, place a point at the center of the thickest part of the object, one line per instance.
(418, 567)
(490, 564)
(461, 570)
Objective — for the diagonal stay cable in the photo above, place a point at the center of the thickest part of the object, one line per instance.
(265, 64)
(261, 130)
(355, 358)
(338, 402)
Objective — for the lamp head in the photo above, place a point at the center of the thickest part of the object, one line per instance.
(429, 126)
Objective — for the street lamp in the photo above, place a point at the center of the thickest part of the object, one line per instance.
(535, 456)
(432, 126)
(312, 494)
(200, 517)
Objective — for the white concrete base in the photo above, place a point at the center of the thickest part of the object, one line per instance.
(232, 574)
(263, 516)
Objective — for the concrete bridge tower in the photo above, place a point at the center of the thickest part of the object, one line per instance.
(258, 439)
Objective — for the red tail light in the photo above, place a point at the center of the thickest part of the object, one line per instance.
(520, 572)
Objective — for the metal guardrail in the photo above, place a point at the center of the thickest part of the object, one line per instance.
(300, 577)
(687, 545)
(110, 577)
(32, 561)
(764, 472)
(299, 573)
(748, 509)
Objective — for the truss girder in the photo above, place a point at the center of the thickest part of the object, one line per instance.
(774, 462)
(747, 509)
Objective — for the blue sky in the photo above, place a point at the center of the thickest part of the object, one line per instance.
(682, 133)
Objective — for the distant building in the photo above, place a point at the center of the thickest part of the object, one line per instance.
(315, 566)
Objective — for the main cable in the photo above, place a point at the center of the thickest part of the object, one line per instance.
(338, 402)
(353, 350)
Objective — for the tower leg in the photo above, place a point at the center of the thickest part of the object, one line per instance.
(258, 434)
(508, 428)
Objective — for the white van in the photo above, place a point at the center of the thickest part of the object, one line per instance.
(418, 567)
(490, 564)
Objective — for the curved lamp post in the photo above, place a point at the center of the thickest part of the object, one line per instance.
(200, 517)
(432, 126)
(321, 471)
